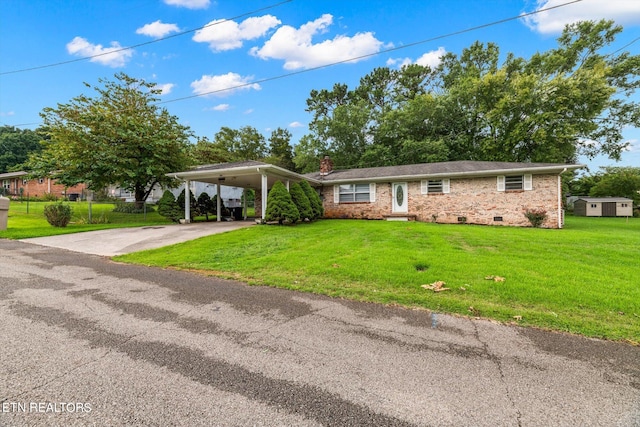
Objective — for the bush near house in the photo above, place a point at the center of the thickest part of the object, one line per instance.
(280, 206)
(301, 201)
(168, 207)
(58, 214)
(314, 200)
(536, 216)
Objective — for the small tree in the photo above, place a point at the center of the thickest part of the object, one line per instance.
(205, 205)
(314, 199)
(193, 203)
(280, 207)
(301, 201)
(58, 214)
(168, 207)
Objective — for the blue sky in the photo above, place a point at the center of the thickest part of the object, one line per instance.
(270, 46)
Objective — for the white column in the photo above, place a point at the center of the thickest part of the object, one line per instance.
(187, 201)
(218, 203)
(244, 203)
(264, 194)
(287, 185)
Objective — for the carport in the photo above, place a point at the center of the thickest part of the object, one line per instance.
(249, 174)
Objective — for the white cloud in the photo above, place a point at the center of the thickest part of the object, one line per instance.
(103, 55)
(7, 114)
(430, 59)
(223, 85)
(189, 4)
(226, 35)
(553, 21)
(221, 107)
(157, 29)
(249, 111)
(296, 48)
(165, 88)
(295, 125)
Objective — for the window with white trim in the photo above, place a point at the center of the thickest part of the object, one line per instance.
(515, 182)
(435, 186)
(354, 193)
(6, 184)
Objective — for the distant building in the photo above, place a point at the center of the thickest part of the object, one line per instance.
(603, 206)
(17, 184)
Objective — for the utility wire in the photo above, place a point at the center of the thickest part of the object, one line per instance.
(182, 33)
(355, 58)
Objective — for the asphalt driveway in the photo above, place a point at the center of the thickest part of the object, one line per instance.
(119, 241)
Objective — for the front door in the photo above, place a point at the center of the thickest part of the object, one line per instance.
(399, 197)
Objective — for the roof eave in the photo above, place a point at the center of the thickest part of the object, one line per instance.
(559, 169)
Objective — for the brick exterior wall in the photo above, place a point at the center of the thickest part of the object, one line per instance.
(475, 199)
(35, 188)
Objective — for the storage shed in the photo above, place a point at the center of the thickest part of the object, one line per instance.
(603, 206)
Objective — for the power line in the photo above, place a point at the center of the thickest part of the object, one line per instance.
(111, 52)
(355, 58)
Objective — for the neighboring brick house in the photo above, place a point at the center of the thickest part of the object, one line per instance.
(495, 193)
(14, 182)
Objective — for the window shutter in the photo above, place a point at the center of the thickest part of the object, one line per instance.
(527, 182)
(336, 194)
(500, 182)
(446, 185)
(372, 192)
(424, 186)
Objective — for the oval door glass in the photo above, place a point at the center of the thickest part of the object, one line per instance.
(399, 195)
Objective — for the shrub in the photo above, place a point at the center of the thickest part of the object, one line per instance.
(301, 201)
(536, 216)
(205, 205)
(193, 203)
(168, 207)
(280, 207)
(130, 208)
(58, 214)
(49, 197)
(314, 200)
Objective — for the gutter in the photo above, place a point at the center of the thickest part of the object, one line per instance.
(560, 210)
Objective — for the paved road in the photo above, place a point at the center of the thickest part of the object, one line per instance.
(86, 341)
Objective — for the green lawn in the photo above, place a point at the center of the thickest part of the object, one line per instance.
(582, 279)
(23, 225)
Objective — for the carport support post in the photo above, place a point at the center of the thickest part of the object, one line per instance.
(218, 203)
(187, 201)
(264, 195)
(244, 203)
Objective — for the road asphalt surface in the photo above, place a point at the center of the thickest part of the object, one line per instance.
(87, 341)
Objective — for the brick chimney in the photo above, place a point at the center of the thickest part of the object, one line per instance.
(326, 165)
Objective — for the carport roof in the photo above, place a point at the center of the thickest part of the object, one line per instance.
(245, 174)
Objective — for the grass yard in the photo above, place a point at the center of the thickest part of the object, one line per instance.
(583, 279)
(23, 225)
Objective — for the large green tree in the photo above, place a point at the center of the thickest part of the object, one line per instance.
(120, 136)
(280, 150)
(241, 144)
(572, 100)
(618, 182)
(16, 145)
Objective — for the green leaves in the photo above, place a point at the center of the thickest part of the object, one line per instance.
(118, 137)
(569, 101)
